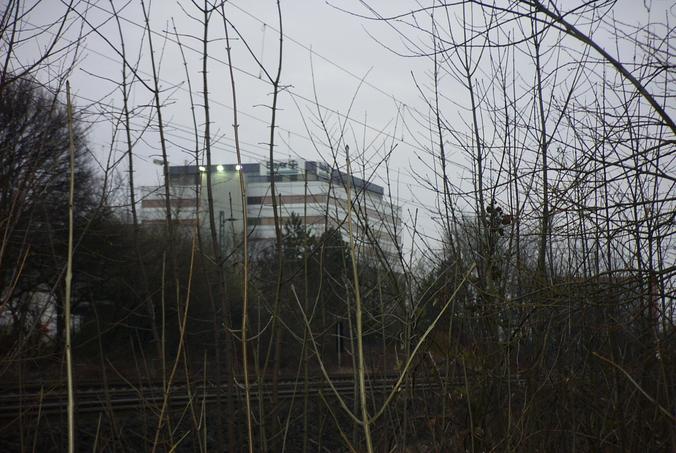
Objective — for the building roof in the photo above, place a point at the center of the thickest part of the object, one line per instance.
(320, 169)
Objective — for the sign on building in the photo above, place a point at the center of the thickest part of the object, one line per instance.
(284, 168)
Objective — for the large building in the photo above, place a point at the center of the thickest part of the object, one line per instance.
(313, 191)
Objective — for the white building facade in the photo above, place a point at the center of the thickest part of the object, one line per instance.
(313, 191)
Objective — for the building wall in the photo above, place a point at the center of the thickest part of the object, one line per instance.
(227, 203)
(153, 207)
(310, 190)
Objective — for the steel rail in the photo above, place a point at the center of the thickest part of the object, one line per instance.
(92, 398)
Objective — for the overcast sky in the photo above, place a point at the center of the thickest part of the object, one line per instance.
(388, 109)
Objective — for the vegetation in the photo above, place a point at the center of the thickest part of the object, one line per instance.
(538, 316)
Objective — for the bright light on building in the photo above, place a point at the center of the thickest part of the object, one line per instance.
(220, 167)
(202, 168)
(238, 167)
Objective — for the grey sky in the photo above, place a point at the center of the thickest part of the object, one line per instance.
(342, 45)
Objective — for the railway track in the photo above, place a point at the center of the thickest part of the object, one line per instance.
(43, 400)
